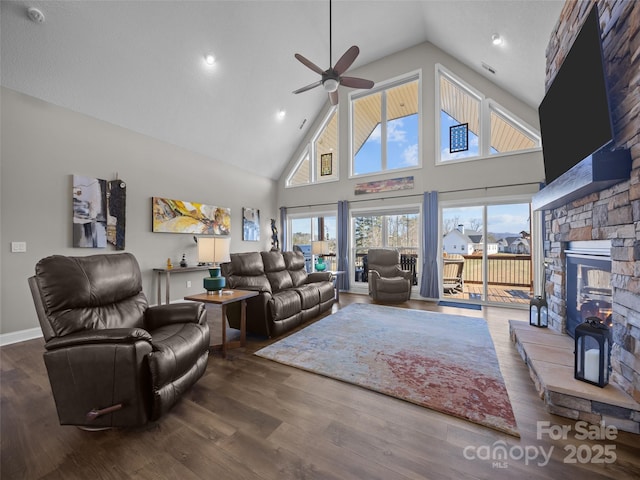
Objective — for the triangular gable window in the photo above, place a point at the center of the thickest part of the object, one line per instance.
(472, 126)
(319, 161)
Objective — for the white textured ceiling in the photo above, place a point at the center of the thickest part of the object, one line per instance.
(139, 64)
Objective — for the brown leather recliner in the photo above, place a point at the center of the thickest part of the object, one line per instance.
(387, 281)
(112, 360)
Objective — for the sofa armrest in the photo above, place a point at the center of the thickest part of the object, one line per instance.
(93, 337)
(188, 312)
(319, 277)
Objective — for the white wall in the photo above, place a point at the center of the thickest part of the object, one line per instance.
(43, 145)
(453, 178)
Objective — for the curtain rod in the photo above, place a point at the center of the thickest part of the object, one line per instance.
(416, 195)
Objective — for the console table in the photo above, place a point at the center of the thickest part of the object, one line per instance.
(166, 272)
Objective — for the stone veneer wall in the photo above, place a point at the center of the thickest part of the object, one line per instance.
(612, 214)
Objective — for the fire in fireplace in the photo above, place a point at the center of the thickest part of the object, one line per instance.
(588, 277)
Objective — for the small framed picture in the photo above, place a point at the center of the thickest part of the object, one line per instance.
(326, 164)
(250, 224)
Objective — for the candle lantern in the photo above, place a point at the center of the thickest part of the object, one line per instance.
(592, 350)
(538, 312)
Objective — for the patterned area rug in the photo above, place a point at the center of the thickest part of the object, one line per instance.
(439, 361)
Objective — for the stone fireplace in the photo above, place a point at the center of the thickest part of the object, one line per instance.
(610, 217)
(592, 242)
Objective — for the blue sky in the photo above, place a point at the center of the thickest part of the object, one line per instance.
(511, 218)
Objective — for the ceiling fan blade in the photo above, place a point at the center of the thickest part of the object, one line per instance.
(353, 82)
(309, 64)
(346, 60)
(333, 97)
(309, 87)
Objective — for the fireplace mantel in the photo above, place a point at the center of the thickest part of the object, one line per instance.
(593, 174)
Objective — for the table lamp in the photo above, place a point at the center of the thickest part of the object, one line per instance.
(213, 251)
(320, 248)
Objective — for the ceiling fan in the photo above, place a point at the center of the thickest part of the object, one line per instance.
(332, 78)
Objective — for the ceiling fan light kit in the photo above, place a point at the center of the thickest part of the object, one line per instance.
(332, 77)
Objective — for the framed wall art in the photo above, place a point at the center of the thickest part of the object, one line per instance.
(179, 216)
(250, 224)
(402, 183)
(326, 164)
(99, 211)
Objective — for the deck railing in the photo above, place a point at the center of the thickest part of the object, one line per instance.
(503, 269)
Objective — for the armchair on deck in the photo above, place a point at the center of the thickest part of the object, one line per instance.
(112, 360)
(452, 273)
(387, 281)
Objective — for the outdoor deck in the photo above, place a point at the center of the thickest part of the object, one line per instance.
(496, 293)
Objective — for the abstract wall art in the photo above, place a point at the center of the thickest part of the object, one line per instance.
(250, 224)
(99, 212)
(179, 216)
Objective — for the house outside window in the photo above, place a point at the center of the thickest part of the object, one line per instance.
(319, 160)
(471, 126)
(386, 126)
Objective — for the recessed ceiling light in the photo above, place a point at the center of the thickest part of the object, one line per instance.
(209, 59)
(281, 114)
(496, 39)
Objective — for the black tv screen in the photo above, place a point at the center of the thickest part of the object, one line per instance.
(575, 119)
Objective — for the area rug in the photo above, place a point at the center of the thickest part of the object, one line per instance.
(439, 361)
(450, 303)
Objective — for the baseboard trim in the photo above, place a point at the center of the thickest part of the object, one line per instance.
(20, 336)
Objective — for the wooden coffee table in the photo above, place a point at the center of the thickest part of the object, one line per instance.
(224, 298)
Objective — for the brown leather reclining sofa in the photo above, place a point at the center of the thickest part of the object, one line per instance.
(289, 296)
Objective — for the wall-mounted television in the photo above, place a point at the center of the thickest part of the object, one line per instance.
(575, 117)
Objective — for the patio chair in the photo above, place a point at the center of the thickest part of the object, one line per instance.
(452, 270)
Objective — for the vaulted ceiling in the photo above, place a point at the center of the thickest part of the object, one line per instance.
(140, 64)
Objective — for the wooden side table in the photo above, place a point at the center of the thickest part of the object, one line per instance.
(224, 298)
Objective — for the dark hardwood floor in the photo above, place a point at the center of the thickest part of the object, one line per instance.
(250, 418)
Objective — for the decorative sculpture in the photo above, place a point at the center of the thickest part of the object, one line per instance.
(275, 243)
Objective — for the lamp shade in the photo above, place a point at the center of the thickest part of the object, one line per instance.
(213, 250)
(320, 247)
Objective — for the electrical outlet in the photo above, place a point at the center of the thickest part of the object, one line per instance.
(188, 283)
(18, 247)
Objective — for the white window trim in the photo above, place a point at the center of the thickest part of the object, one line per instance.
(309, 150)
(381, 86)
(484, 137)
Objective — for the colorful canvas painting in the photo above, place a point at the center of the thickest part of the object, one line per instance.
(403, 183)
(178, 216)
(250, 224)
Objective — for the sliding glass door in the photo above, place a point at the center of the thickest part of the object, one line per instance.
(397, 228)
(487, 252)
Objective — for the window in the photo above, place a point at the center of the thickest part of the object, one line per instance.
(319, 161)
(399, 229)
(385, 133)
(306, 229)
(472, 126)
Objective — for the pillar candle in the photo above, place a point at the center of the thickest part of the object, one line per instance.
(592, 365)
